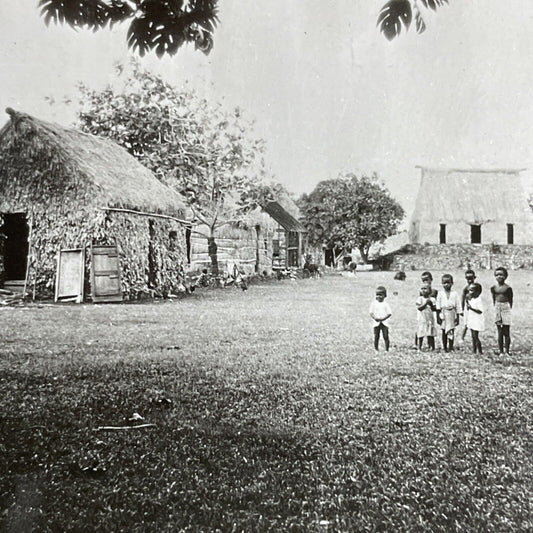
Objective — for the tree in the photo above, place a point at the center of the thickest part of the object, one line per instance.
(396, 14)
(202, 151)
(350, 212)
(166, 25)
(160, 25)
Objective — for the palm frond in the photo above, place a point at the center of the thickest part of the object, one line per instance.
(164, 27)
(393, 15)
(433, 4)
(93, 14)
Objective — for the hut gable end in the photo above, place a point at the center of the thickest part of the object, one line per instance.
(451, 202)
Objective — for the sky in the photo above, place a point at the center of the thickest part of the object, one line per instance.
(327, 91)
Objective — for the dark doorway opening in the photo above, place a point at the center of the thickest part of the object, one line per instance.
(329, 257)
(475, 234)
(15, 231)
(442, 237)
(188, 243)
(510, 234)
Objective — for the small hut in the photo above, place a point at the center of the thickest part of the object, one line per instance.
(63, 189)
(458, 206)
(289, 242)
(266, 239)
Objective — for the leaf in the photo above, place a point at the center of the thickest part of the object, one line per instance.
(391, 17)
(419, 23)
(433, 4)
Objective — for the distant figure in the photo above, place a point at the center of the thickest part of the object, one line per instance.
(470, 277)
(426, 306)
(502, 298)
(474, 315)
(380, 312)
(448, 312)
(353, 267)
(400, 275)
(310, 269)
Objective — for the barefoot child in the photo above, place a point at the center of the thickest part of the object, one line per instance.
(380, 312)
(474, 315)
(470, 277)
(427, 279)
(448, 311)
(426, 306)
(502, 298)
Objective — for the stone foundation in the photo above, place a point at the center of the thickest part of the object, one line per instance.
(463, 256)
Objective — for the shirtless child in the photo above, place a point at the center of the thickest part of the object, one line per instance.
(502, 298)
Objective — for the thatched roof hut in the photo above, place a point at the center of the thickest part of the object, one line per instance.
(75, 190)
(478, 206)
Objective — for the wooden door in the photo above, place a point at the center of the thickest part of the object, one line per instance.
(105, 274)
(70, 274)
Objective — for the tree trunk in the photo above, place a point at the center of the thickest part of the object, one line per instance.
(212, 250)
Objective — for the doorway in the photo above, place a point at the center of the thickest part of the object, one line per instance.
(15, 231)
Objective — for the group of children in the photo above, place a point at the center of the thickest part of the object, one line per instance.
(444, 308)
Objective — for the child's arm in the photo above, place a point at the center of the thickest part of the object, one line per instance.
(478, 311)
(422, 304)
(510, 296)
(492, 291)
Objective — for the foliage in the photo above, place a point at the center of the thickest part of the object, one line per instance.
(265, 421)
(166, 25)
(396, 14)
(201, 150)
(350, 212)
(160, 25)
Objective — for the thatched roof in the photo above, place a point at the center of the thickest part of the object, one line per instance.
(285, 212)
(118, 178)
(473, 196)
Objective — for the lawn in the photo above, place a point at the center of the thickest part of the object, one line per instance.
(270, 412)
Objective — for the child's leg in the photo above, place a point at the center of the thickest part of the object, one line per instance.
(463, 335)
(377, 329)
(444, 340)
(506, 333)
(451, 337)
(420, 340)
(500, 338)
(386, 337)
(431, 342)
(479, 349)
(475, 340)
(416, 340)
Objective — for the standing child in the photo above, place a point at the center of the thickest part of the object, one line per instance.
(427, 279)
(426, 306)
(380, 312)
(502, 298)
(448, 311)
(474, 315)
(470, 277)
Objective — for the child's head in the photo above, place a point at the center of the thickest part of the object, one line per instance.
(427, 278)
(501, 274)
(425, 291)
(447, 281)
(470, 276)
(381, 293)
(474, 290)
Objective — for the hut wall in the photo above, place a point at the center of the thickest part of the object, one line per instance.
(459, 233)
(156, 268)
(63, 226)
(245, 248)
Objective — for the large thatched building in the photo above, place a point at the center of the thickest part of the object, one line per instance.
(63, 189)
(456, 206)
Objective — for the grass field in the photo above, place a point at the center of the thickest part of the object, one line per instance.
(271, 412)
